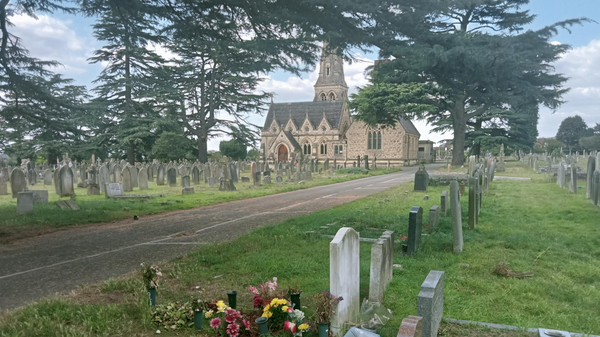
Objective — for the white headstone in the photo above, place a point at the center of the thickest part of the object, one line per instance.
(344, 276)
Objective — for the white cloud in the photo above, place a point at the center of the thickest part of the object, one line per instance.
(48, 38)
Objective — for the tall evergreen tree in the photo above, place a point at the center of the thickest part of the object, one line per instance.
(128, 87)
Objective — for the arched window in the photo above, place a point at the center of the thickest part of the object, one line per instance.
(379, 140)
(323, 148)
(323, 97)
(307, 148)
(374, 140)
(332, 97)
(370, 141)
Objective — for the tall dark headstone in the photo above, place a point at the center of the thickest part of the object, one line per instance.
(421, 179)
(415, 227)
(366, 160)
(195, 175)
(596, 189)
(172, 177)
(444, 203)
(473, 202)
(591, 167)
(455, 210)
(573, 178)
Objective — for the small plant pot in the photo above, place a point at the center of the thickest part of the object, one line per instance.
(198, 319)
(263, 327)
(323, 329)
(296, 301)
(405, 248)
(152, 296)
(232, 297)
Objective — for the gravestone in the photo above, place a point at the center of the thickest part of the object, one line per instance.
(172, 177)
(473, 203)
(344, 277)
(382, 260)
(143, 179)
(591, 167)
(412, 326)
(3, 186)
(434, 217)
(18, 182)
(573, 179)
(455, 212)
(188, 190)
(32, 177)
(113, 190)
(256, 178)
(245, 179)
(126, 179)
(66, 178)
(421, 180)
(103, 178)
(195, 175)
(366, 161)
(278, 179)
(47, 177)
(596, 188)
(24, 202)
(134, 176)
(253, 168)
(444, 203)
(160, 175)
(233, 172)
(56, 176)
(185, 181)
(40, 196)
(430, 303)
(415, 227)
(212, 181)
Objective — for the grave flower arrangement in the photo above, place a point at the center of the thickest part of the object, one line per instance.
(278, 311)
(296, 323)
(150, 274)
(228, 322)
(326, 304)
(174, 315)
(264, 293)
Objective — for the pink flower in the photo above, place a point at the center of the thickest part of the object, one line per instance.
(253, 290)
(246, 324)
(230, 311)
(257, 301)
(290, 309)
(230, 319)
(215, 323)
(233, 330)
(289, 326)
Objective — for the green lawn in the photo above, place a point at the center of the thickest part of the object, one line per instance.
(95, 209)
(532, 225)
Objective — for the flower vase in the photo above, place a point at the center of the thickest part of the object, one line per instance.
(263, 327)
(323, 329)
(152, 296)
(198, 319)
(232, 297)
(296, 301)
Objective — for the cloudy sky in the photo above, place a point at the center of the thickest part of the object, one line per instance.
(69, 40)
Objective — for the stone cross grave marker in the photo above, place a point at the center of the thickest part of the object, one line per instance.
(344, 277)
(415, 227)
(430, 303)
(455, 211)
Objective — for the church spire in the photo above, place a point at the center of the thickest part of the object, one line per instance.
(331, 84)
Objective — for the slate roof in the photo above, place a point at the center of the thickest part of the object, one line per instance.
(292, 140)
(409, 127)
(282, 112)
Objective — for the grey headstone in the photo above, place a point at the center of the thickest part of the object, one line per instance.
(185, 181)
(143, 179)
(40, 196)
(596, 188)
(434, 217)
(267, 179)
(195, 175)
(187, 190)
(3, 186)
(382, 260)
(172, 177)
(47, 177)
(573, 178)
(67, 178)
(421, 180)
(134, 176)
(24, 202)
(126, 179)
(18, 182)
(415, 227)
(444, 202)
(430, 304)
(103, 178)
(591, 167)
(256, 178)
(455, 210)
(72, 205)
(473, 203)
(114, 189)
(160, 175)
(245, 179)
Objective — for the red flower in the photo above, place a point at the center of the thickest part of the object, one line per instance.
(230, 319)
(233, 330)
(246, 324)
(257, 301)
(289, 326)
(402, 237)
(215, 323)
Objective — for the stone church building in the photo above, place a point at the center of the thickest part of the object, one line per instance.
(324, 129)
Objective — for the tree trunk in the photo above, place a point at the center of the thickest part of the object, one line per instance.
(459, 122)
(202, 149)
(51, 157)
(131, 153)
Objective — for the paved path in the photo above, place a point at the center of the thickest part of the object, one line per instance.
(60, 261)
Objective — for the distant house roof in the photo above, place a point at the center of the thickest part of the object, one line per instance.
(298, 111)
(409, 127)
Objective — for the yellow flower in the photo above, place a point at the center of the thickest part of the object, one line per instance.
(273, 302)
(283, 301)
(284, 308)
(220, 309)
(267, 314)
(208, 314)
(303, 326)
(267, 308)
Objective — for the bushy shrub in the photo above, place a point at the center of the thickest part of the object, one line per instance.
(353, 170)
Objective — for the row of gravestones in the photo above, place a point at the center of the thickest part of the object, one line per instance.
(344, 281)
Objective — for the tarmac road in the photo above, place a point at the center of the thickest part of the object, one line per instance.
(58, 262)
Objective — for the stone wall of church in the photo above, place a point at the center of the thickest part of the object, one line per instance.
(397, 147)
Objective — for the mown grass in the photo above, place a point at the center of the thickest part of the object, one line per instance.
(532, 225)
(96, 209)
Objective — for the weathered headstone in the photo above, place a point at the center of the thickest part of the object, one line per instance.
(267, 179)
(134, 176)
(103, 178)
(143, 179)
(47, 177)
(113, 190)
(172, 177)
(185, 181)
(32, 177)
(472, 203)
(160, 175)
(188, 190)
(245, 179)
(344, 277)
(3, 186)
(573, 178)
(18, 182)
(421, 179)
(40, 196)
(126, 179)
(415, 228)
(412, 326)
(456, 214)
(67, 178)
(256, 178)
(444, 202)
(382, 260)
(278, 179)
(596, 188)
(366, 161)
(434, 217)
(24, 202)
(430, 303)
(591, 167)
(195, 175)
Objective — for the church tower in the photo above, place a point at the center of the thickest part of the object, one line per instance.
(331, 85)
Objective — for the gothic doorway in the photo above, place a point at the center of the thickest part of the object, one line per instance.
(282, 153)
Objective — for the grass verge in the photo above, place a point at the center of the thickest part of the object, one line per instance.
(532, 225)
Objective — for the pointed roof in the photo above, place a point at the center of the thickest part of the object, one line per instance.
(299, 111)
(331, 70)
(409, 127)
